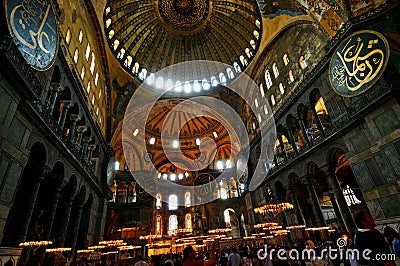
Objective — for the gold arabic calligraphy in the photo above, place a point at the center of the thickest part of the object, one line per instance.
(29, 15)
(357, 65)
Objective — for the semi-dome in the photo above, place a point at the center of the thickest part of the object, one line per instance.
(147, 36)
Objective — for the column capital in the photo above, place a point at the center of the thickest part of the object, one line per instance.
(87, 139)
(66, 104)
(45, 171)
(56, 86)
(81, 129)
(74, 117)
(92, 147)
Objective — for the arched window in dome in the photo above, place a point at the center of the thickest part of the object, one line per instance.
(228, 163)
(115, 45)
(256, 34)
(196, 86)
(160, 83)
(282, 88)
(243, 60)
(128, 61)
(108, 9)
(268, 79)
(275, 70)
(224, 193)
(168, 84)
(223, 189)
(285, 59)
(214, 81)
(291, 77)
(80, 36)
(92, 64)
(258, 24)
(150, 79)
(173, 202)
(303, 62)
(262, 90)
(222, 78)
(205, 84)
(108, 23)
(173, 223)
(188, 221)
(83, 72)
(158, 225)
(87, 54)
(143, 74)
(248, 52)
(111, 34)
(227, 218)
(76, 55)
(135, 68)
(236, 67)
(178, 86)
(253, 44)
(116, 165)
(188, 201)
(88, 88)
(121, 53)
(158, 201)
(273, 100)
(219, 165)
(187, 87)
(68, 36)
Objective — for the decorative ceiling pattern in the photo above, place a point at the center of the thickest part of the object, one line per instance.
(147, 36)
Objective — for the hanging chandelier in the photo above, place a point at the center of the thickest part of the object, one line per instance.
(274, 208)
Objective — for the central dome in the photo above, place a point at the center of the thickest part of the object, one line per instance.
(147, 36)
(185, 15)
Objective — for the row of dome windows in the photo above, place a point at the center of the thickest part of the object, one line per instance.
(88, 54)
(188, 86)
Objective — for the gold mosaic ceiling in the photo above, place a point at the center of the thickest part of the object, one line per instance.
(149, 35)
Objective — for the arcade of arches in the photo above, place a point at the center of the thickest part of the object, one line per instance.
(71, 174)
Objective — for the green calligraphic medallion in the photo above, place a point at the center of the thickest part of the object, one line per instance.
(33, 27)
(358, 63)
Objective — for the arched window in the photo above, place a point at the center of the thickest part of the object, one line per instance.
(115, 45)
(121, 53)
(76, 55)
(80, 36)
(268, 79)
(253, 44)
(262, 90)
(88, 88)
(236, 67)
(214, 81)
(205, 84)
(92, 64)
(173, 202)
(168, 84)
(196, 86)
(224, 193)
(188, 221)
(248, 52)
(108, 23)
(258, 24)
(291, 77)
(158, 225)
(135, 68)
(158, 201)
(87, 54)
(187, 87)
(83, 72)
(285, 59)
(222, 78)
(68, 36)
(243, 60)
(116, 165)
(187, 199)
(256, 34)
(160, 83)
(302, 62)
(227, 218)
(111, 34)
(173, 223)
(273, 100)
(96, 80)
(143, 74)
(128, 61)
(150, 80)
(275, 69)
(281, 88)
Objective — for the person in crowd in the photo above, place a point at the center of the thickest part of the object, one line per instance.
(393, 238)
(189, 258)
(234, 257)
(140, 261)
(367, 237)
(168, 260)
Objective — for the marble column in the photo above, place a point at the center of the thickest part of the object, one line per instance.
(55, 88)
(91, 148)
(314, 199)
(127, 192)
(64, 222)
(296, 205)
(80, 130)
(75, 228)
(74, 119)
(51, 213)
(317, 121)
(282, 147)
(65, 105)
(85, 146)
(344, 209)
(337, 212)
(292, 141)
(303, 130)
(26, 216)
